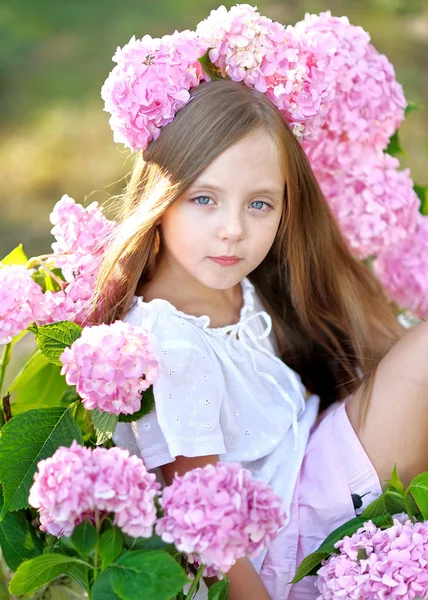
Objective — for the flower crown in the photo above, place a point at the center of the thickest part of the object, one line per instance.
(152, 78)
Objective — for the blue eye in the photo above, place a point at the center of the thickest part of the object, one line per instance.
(258, 204)
(201, 200)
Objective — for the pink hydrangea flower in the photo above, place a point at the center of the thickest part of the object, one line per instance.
(396, 566)
(20, 301)
(403, 270)
(75, 482)
(149, 84)
(278, 61)
(81, 235)
(62, 489)
(368, 104)
(219, 513)
(374, 202)
(78, 230)
(111, 365)
(123, 486)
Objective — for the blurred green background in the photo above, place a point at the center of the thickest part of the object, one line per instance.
(55, 55)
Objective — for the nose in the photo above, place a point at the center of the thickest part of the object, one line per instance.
(231, 227)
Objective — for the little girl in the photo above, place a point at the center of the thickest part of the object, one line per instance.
(268, 332)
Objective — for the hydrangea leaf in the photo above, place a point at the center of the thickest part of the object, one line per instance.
(39, 384)
(220, 590)
(84, 538)
(394, 147)
(16, 257)
(104, 424)
(395, 481)
(26, 439)
(141, 575)
(18, 541)
(34, 573)
(111, 544)
(153, 543)
(309, 564)
(422, 192)
(102, 589)
(419, 490)
(147, 405)
(210, 68)
(53, 339)
(411, 107)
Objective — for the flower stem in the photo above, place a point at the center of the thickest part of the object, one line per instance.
(195, 583)
(7, 352)
(98, 528)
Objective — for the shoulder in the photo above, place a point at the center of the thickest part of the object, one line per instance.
(172, 333)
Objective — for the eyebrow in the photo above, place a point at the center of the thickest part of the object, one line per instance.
(211, 186)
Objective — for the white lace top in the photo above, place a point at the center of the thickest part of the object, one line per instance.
(221, 391)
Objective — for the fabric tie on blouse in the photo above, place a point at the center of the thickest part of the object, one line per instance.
(245, 335)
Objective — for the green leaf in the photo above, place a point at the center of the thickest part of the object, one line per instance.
(395, 481)
(54, 338)
(309, 564)
(153, 543)
(102, 589)
(411, 107)
(79, 573)
(39, 384)
(375, 508)
(111, 544)
(362, 554)
(25, 440)
(16, 257)
(18, 541)
(38, 571)
(394, 147)
(84, 538)
(141, 575)
(219, 590)
(422, 192)
(209, 67)
(419, 489)
(104, 425)
(147, 405)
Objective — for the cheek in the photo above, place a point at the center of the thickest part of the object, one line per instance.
(180, 233)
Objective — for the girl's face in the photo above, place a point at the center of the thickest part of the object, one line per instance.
(224, 225)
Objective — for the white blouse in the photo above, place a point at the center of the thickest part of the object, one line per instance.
(221, 391)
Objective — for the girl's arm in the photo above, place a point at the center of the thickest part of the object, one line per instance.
(244, 581)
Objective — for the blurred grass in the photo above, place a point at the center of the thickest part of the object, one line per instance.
(54, 135)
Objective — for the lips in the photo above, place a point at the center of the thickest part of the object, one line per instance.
(225, 261)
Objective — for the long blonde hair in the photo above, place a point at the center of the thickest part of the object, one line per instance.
(331, 321)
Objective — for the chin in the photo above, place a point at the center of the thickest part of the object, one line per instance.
(222, 280)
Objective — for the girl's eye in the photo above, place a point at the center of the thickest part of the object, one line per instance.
(201, 200)
(259, 204)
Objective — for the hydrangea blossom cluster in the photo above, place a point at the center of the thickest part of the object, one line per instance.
(78, 230)
(395, 567)
(368, 103)
(220, 513)
(374, 202)
(149, 84)
(403, 270)
(80, 235)
(111, 365)
(75, 482)
(280, 62)
(20, 301)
